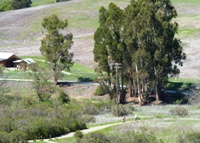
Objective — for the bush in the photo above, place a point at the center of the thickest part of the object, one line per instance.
(100, 90)
(193, 137)
(119, 110)
(38, 119)
(17, 137)
(95, 138)
(90, 109)
(4, 137)
(5, 6)
(89, 118)
(78, 134)
(132, 137)
(178, 111)
(63, 97)
(16, 4)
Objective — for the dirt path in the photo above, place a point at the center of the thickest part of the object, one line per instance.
(85, 131)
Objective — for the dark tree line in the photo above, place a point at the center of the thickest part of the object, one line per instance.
(142, 39)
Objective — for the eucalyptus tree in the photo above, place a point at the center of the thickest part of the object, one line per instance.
(55, 46)
(108, 48)
(142, 38)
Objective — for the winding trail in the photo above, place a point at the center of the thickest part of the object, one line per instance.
(85, 131)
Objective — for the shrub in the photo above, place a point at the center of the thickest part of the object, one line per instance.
(88, 118)
(178, 111)
(16, 4)
(100, 90)
(63, 97)
(5, 6)
(17, 137)
(193, 137)
(132, 137)
(78, 134)
(90, 109)
(4, 137)
(119, 110)
(95, 138)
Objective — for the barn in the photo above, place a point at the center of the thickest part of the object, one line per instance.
(6, 59)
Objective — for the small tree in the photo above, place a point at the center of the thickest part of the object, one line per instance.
(55, 46)
(41, 83)
(19, 4)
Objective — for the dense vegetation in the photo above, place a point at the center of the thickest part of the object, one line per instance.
(23, 117)
(141, 41)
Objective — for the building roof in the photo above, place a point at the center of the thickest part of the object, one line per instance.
(28, 61)
(5, 55)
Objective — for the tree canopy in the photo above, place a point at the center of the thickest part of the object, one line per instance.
(55, 46)
(19, 4)
(141, 38)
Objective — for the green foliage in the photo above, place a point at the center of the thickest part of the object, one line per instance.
(39, 119)
(95, 138)
(61, 0)
(125, 137)
(17, 136)
(63, 97)
(19, 4)
(179, 98)
(55, 46)
(89, 119)
(100, 90)
(142, 39)
(178, 111)
(132, 137)
(191, 137)
(78, 134)
(90, 109)
(5, 6)
(119, 110)
(41, 83)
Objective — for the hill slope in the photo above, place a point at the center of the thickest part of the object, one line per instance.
(21, 30)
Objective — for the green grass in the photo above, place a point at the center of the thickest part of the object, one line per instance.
(181, 84)
(194, 2)
(81, 73)
(42, 2)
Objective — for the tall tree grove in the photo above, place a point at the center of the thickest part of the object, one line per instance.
(55, 46)
(141, 38)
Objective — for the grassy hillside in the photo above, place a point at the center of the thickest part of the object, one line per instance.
(21, 30)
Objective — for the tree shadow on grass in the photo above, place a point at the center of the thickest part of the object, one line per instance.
(84, 79)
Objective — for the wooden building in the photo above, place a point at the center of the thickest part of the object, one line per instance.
(23, 63)
(6, 59)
